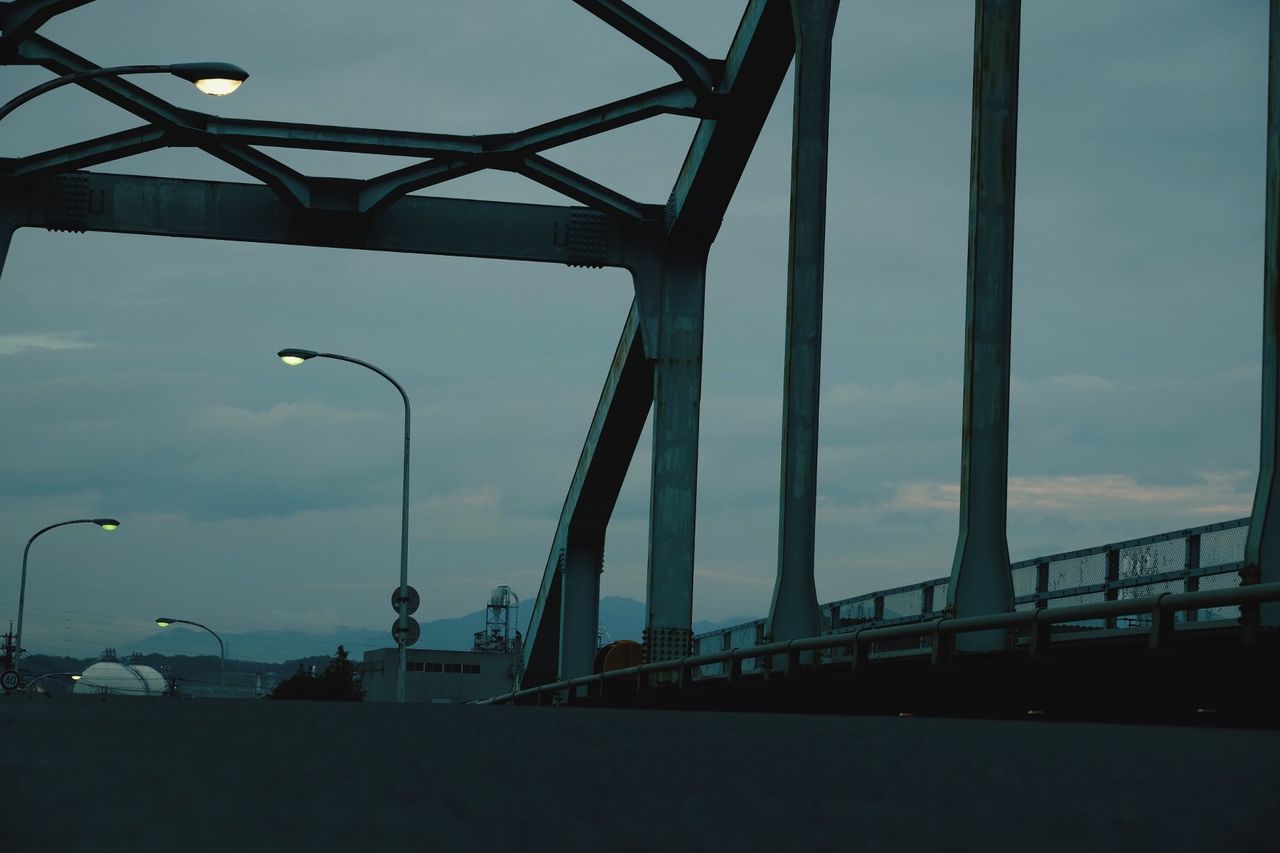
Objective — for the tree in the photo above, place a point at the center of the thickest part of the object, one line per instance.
(336, 683)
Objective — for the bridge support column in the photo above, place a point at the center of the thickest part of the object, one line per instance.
(1262, 548)
(677, 393)
(794, 610)
(580, 608)
(980, 579)
(6, 238)
(561, 636)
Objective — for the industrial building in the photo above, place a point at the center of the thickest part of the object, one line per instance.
(111, 676)
(453, 676)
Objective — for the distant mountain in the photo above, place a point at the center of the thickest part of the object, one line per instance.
(622, 619)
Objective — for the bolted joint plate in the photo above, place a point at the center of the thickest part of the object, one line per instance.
(667, 643)
(587, 238)
(66, 203)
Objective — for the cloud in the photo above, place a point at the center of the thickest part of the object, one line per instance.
(14, 344)
(1226, 493)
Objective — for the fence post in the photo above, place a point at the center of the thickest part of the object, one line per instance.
(1113, 575)
(1192, 583)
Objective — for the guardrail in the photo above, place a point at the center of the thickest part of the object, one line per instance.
(943, 630)
(1179, 560)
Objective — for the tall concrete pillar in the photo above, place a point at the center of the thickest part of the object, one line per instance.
(980, 579)
(794, 611)
(1262, 548)
(677, 394)
(580, 607)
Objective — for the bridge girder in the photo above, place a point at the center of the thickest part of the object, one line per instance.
(665, 249)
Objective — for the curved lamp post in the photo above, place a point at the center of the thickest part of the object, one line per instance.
(294, 357)
(104, 523)
(74, 676)
(212, 78)
(166, 621)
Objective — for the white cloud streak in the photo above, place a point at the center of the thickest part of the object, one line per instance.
(15, 344)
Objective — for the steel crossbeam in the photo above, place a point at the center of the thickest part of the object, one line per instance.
(660, 354)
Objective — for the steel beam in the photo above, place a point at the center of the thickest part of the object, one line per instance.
(794, 610)
(980, 579)
(587, 191)
(377, 194)
(91, 152)
(677, 392)
(753, 72)
(675, 98)
(290, 185)
(562, 627)
(6, 239)
(694, 69)
(130, 204)
(1262, 548)
(22, 18)
(580, 608)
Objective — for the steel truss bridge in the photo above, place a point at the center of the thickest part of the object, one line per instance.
(657, 367)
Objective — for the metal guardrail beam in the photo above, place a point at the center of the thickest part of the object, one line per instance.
(1159, 606)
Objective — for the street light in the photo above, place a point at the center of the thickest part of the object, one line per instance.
(166, 621)
(74, 676)
(293, 357)
(212, 78)
(104, 523)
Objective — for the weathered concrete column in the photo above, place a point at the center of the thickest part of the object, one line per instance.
(1262, 548)
(980, 579)
(580, 607)
(677, 394)
(794, 611)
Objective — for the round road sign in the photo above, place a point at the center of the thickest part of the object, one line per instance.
(411, 635)
(412, 600)
(10, 679)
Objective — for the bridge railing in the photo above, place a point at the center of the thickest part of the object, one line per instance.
(1205, 557)
(1160, 627)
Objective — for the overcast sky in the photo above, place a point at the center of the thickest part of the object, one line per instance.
(139, 379)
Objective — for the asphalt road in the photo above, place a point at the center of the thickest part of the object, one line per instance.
(193, 775)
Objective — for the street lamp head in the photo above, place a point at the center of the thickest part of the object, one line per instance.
(107, 523)
(294, 357)
(212, 78)
(76, 677)
(164, 621)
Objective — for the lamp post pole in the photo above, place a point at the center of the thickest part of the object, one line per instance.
(74, 676)
(165, 622)
(297, 356)
(104, 523)
(212, 78)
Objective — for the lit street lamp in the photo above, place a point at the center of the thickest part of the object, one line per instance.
(74, 676)
(166, 621)
(294, 357)
(104, 523)
(212, 78)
